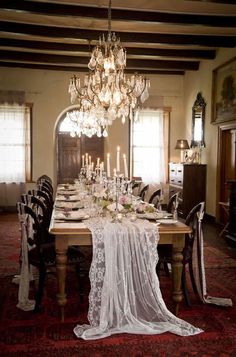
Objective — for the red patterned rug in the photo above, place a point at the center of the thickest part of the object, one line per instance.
(42, 334)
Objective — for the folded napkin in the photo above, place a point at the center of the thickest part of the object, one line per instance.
(68, 198)
(71, 216)
(69, 205)
(112, 207)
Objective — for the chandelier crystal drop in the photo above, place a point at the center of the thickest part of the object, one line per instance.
(107, 93)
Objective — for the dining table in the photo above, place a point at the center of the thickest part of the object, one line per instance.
(75, 233)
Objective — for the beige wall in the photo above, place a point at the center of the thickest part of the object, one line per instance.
(48, 91)
(201, 81)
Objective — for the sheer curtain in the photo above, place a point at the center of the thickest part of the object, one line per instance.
(148, 151)
(13, 143)
(14, 152)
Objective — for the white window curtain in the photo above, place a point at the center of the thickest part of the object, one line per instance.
(13, 143)
(148, 150)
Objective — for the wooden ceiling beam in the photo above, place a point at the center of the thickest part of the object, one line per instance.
(44, 8)
(62, 59)
(85, 34)
(54, 46)
(83, 69)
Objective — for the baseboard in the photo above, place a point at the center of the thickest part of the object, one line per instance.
(6, 209)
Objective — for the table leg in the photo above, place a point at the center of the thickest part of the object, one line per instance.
(61, 264)
(177, 268)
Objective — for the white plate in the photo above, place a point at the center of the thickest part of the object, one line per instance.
(150, 215)
(167, 221)
(73, 216)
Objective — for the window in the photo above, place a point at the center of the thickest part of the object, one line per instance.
(149, 146)
(15, 143)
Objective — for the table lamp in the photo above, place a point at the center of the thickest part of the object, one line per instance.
(183, 145)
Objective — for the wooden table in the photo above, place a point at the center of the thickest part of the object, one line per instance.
(70, 233)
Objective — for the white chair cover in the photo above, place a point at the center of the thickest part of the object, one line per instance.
(125, 296)
(24, 303)
(199, 269)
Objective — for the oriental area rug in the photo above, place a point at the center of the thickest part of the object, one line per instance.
(42, 334)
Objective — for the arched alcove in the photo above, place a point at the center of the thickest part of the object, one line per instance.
(69, 149)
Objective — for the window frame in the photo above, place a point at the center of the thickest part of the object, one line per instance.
(166, 112)
(28, 137)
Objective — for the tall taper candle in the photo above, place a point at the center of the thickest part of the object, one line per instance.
(118, 159)
(82, 160)
(125, 166)
(108, 166)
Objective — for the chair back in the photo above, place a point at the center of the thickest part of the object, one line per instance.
(194, 221)
(155, 197)
(44, 177)
(173, 203)
(143, 192)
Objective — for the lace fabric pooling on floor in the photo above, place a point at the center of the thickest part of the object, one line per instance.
(125, 295)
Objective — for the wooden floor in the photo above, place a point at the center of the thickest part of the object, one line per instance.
(212, 237)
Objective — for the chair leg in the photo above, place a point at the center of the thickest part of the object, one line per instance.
(39, 295)
(166, 268)
(80, 281)
(192, 277)
(158, 266)
(184, 287)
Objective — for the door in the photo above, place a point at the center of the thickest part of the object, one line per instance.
(226, 166)
(70, 151)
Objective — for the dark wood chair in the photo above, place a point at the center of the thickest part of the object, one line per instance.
(41, 254)
(143, 192)
(155, 197)
(170, 206)
(193, 220)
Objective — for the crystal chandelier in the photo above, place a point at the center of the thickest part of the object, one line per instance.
(107, 93)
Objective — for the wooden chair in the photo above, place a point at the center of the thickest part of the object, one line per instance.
(193, 220)
(41, 254)
(155, 197)
(172, 202)
(143, 192)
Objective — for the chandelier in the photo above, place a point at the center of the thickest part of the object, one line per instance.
(106, 93)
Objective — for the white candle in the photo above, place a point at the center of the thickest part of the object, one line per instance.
(118, 159)
(114, 172)
(90, 160)
(82, 160)
(125, 166)
(108, 166)
(98, 162)
(86, 158)
(101, 169)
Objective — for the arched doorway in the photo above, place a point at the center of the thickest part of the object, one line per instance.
(69, 150)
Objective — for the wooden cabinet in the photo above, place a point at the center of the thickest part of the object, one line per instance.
(190, 181)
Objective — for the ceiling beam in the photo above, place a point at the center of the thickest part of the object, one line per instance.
(62, 59)
(83, 69)
(85, 34)
(54, 46)
(44, 8)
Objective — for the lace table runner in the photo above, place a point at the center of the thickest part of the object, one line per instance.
(125, 296)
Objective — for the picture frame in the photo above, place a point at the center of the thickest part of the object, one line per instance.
(224, 92)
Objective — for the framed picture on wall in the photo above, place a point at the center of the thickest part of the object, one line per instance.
(224, 92)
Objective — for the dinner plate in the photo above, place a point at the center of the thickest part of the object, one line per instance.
(148, 215)
(167, 221)
(72, 216)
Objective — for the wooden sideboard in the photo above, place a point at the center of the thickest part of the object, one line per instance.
(189, 180)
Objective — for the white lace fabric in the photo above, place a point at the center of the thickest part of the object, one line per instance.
(24, 303)
(200, 273)
(125, 296)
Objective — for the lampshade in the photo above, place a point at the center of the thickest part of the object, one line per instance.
(182, 144)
